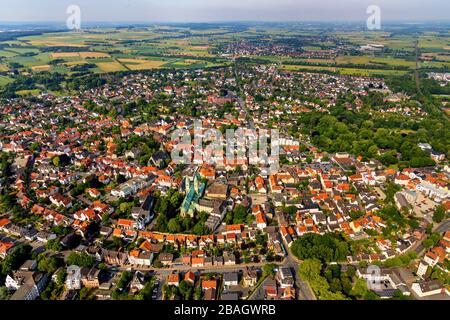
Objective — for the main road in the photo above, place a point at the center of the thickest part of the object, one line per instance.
(304, 290)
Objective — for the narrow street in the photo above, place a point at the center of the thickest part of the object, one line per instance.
(440, 228)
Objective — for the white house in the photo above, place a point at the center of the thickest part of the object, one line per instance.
(231, 279)
(428, 288)
(422, 269)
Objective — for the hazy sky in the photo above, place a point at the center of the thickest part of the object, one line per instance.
(222, 10)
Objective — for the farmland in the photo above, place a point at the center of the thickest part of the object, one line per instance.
(297, 48)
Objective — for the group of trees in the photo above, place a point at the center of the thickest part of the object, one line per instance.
(14, 260)
(5, 162)
(436, 273)
(147, 147)
(80, 259)
(401, 260)
(432, 240)
(310, 270)
(5, 294)
(439, 214)
(167, 207)
(49, 263)
(239, 215)
(408, 85)
(326, 248)
(184, 291)
(62, 160)
(269, 270)
(54, 289)
(42, 80)
(120, 292)
(392, 139)
(332, 283)
(194, 225)
(147, 292)
(168, 220)
(395, 220)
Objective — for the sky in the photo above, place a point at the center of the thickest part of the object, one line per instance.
(222, 10)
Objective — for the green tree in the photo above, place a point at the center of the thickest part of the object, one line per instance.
(146, 292)
(56, 161)
(61, 277)
(80, 259)
(15, 259)
(360, 288)
(310, 269)
(439, 214)
(49, 264)
(269, 269)
(173, 225)
(239, 214)
(5, 294)
(54, 245)
(326, 248)
(86, 294)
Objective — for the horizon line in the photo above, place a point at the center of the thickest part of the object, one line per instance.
(227, 21)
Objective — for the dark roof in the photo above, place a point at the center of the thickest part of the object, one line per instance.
(230, 296)
(231, 277)
(148, 203)
(159, 155)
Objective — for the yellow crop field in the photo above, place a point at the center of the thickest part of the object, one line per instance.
(110, 66)
(54, 43)
(93, 55)
(83, 55)
(64, 54)
(44, 67)
(140, 64)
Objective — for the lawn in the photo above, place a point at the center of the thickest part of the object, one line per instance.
(31, 61)
(28, 92)
(5, 80)
(7, 53)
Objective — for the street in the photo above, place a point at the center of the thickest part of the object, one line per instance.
(440, 228)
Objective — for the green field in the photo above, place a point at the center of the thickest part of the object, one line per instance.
(5, 80)
(346, 71)
(159, 46)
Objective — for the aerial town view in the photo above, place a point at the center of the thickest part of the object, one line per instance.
(249, 157)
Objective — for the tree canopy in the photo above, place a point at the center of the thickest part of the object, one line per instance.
(326, 248)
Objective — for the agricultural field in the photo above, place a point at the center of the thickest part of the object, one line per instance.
(103, 50)
(141, 64)
(110, 50)
(346, 71)
(368, 60)
(5, 80)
